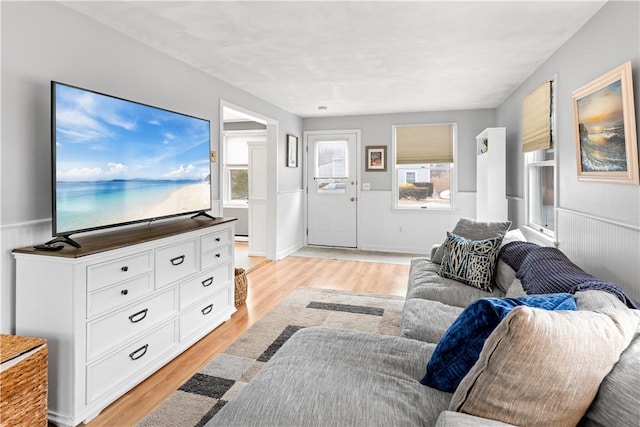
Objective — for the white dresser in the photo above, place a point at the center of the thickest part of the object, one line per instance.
(122, 306)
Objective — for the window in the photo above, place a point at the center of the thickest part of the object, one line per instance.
(236, 167)
(424, 164)
(238, 184)
(538, 135)
(410, 177)
(541, 191)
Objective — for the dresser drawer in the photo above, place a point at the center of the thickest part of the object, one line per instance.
(214, 240)
(112, 272)
(204, 284)
(112, 297)
(216, 256)
(209, 312)
(106, 333)
(122, 365)
(175, 262)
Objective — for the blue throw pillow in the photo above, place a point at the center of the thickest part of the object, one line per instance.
(460, 346)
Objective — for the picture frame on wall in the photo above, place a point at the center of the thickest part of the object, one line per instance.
(376, 158)
(605, 128)
(292, 151)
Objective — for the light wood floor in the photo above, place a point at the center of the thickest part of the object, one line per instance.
(268, 285)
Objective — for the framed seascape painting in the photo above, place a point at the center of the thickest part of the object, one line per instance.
(376, 158)
(292, 151)
(605, 128)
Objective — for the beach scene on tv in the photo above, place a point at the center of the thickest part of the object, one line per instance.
(118, 161)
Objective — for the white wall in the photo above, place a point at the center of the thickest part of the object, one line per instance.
(382, 228)
(591, 215)
(44, 41)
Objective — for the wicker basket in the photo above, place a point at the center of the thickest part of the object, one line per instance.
(241, 286)
(23, 395)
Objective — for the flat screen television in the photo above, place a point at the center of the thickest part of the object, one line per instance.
(118, 162)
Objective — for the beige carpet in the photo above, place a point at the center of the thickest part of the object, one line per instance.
(200, 398)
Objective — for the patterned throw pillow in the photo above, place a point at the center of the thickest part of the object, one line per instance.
(474, 230)
(472, 262)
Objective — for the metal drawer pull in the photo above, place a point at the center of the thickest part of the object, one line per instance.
(134, 354)
(207, 282)
(177, 260)
(124, 291)
(207, 309)
(217, 239)
(134, 317)
(218, 255)
(125, 268)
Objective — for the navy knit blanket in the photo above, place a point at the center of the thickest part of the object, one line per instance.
(546, 270)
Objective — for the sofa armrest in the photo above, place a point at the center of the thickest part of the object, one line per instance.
(458, 419)
(434, 248)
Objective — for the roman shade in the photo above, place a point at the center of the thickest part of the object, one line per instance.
(536, 119)
(424, 144)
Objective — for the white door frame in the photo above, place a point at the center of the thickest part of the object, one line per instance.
(272, 172)
(305, 180)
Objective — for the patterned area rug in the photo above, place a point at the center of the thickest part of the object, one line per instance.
(220, 381)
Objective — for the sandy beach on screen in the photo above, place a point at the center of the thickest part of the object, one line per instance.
(181, 200)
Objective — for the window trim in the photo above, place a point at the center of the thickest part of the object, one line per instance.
(535, 159)
(532, 163)
(453, 190)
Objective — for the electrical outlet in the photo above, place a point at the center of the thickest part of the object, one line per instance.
(366, 186)
(213, 156)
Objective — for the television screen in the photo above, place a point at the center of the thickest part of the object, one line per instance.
(118, 162)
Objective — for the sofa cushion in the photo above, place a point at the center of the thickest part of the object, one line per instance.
(426, 320)
(457, 419)
(425, 283)
(598, 300)
(460, 346)
(474, 230)
(329, 377)
(616, 403)
(470, 261)
(567, 352)
(504, 276)
(515, 290)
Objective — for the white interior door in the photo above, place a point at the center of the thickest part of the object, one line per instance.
(257, 198)
(332, 189)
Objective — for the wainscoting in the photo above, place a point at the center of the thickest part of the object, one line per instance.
(606, 249)
(15, 236)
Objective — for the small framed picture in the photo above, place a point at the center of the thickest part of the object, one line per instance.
(292, 151)
(376, 158)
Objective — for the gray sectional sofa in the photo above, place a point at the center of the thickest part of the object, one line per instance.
(326, 377)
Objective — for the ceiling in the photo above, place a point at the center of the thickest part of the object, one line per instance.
(359, 57)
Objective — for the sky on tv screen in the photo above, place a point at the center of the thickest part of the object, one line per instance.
(101, 138)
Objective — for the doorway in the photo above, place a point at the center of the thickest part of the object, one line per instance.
(244, 171)
(332, 188)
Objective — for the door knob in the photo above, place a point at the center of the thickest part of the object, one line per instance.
(353, 199)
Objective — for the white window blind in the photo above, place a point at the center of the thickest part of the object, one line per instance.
(536, 119)
(236, 150)
(424, 144)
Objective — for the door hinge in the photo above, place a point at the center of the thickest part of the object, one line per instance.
(307, 231)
